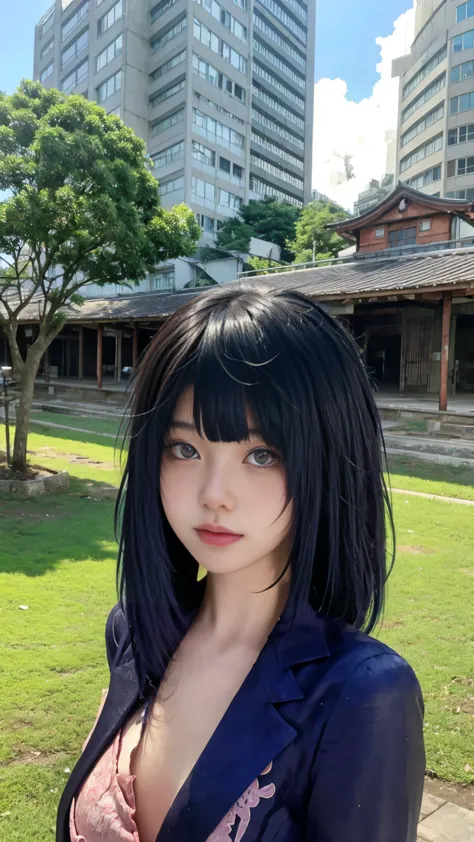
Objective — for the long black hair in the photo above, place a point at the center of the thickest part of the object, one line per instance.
(278, 356)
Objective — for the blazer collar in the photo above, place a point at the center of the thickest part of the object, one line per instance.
(251, 734)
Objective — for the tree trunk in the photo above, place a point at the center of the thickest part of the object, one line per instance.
(23, 414)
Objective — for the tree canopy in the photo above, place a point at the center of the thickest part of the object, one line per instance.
(80, 206)
(266, 219)
(312, 233)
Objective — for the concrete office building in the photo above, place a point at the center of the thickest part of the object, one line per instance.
(220, 90)
(436, 113)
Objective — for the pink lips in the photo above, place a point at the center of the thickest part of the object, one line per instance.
(217, 536)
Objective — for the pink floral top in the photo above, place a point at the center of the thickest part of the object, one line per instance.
(104, 810)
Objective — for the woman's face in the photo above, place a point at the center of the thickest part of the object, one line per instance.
(210, 487)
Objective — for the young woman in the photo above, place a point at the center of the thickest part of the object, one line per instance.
(247, 700)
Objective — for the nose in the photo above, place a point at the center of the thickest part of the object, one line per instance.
(216, 488)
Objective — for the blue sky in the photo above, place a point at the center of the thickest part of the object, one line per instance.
(345, 39)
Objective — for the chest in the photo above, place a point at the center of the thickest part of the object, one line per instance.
(191, 703)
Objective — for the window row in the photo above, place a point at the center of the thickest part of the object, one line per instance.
(218, 46)
(48, 22)
(172, 153)
(287, 20)
(47, 48)
(425, 95)
(219, 108)
(420, 126)
(171, 186)
(109, 87)
(277, 105)
(167, 122)
(202, 190)
(421, 152)
(75, 78)
(464, 102)
(467, 195)
(75, 48)
(264, 189)
(219, 80)
(298, 7)
(465, 10)
(277, 128)
(461, 72)
(74, 20)
(282, 42)
(460, 166)
(163, 279)
(425, 178)
(219, 13)
(277, 150)
(277, 62)
(47, 72)
(110, 17)
(112, 51)
(463, 42)
(207, 223)
(207, 156)
(218, 130)
(163, 37)
(461, 134)
(283, 175)
(269, 77)
(168, 65)
(166, 93)
(160, 8)
(424, 71)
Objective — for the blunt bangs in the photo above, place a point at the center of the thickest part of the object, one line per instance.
(273, 360)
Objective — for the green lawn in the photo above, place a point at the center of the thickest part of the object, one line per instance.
(57, 556)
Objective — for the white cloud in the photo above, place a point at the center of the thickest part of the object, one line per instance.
(354, 134)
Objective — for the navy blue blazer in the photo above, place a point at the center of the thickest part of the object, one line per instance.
(322, 743)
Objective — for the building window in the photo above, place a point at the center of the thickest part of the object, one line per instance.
(215, 131)
(207, 223)
(461, 72)
(421, 152)
(269, 77)
(112, 51)
(228, 200)
(380, 232)
(168, 35)
(424, 71)
(425, 95)
(464, 11)
(402, 237)
(221, 110)
(203, 154)
(109, 19)
(73, 21)
(277, 150)
(464, 102)
(276, 127)
(47, 72)
(461, 135)
(168, 65)
(75, 48)
(460, 166)
(284, 175)
(425, 178)
(202, 191)
(172, 153)
(224, 165)
(75, 78)
(237, 171)
(109, 87)
(47, 21)
(214, 77)
(47, 48)
(277, 105)
(426, 121)
(280, 40)
(163, 279)
(171, 186)
(223, 16)
(168, 92)
(463, 42)
(277, 62)
(285, 18)
(168, 122)
(467, 195)
(160, 8)
(262, 188)
(425, 225)
(218, 46)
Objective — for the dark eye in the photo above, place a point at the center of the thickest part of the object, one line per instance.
(262, 458)
(182, 451)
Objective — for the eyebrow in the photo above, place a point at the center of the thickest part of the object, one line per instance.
(188, 425)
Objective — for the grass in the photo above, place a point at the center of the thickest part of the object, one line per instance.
(57, 556)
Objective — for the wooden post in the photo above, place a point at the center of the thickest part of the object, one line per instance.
(80, 367)
(445, 342)
(135, 347)
(100, 336)
(118, 356)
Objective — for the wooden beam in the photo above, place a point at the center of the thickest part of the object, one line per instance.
(135, 347)
(445, 342)
(80, 370)
(100, 337)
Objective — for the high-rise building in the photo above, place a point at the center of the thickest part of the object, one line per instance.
(436, 113)
(220, 90)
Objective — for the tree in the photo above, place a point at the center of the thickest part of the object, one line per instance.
(266, 219)
(81, 207)
(312, 233)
